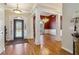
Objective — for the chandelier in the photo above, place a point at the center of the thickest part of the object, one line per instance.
(45, 20)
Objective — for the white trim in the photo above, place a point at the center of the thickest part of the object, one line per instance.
(67, 50)
(2, 50)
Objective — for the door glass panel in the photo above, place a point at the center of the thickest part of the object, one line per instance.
(18, 29)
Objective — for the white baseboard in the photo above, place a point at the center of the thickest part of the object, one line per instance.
(2, 50)
(67, 50)
(9, 39)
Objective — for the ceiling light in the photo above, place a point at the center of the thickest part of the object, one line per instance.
(17, 10)
(45, 20)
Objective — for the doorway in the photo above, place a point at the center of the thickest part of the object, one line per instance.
(18, 29)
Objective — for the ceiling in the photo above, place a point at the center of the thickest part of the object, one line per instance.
(27, 7)
(55, 6)
(52, 5)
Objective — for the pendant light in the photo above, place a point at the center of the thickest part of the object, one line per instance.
(17, 10)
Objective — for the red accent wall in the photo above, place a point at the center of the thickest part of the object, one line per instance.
(51, 24)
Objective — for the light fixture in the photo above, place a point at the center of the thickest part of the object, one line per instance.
(17, 10)
(45, 20)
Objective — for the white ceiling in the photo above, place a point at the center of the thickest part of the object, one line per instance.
(55, 6)
(52, 5)
(27, 7)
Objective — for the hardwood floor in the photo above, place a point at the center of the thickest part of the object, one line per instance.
(50, 47)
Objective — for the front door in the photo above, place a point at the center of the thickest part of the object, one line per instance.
(18, 29)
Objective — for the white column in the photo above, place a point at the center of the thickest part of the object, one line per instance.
(58, 27)
(37, 27)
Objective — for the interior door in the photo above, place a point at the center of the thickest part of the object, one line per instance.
(18, 29)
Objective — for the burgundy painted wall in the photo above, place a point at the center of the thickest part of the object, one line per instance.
(51, 24)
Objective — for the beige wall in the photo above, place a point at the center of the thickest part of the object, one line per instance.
(68, 14)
